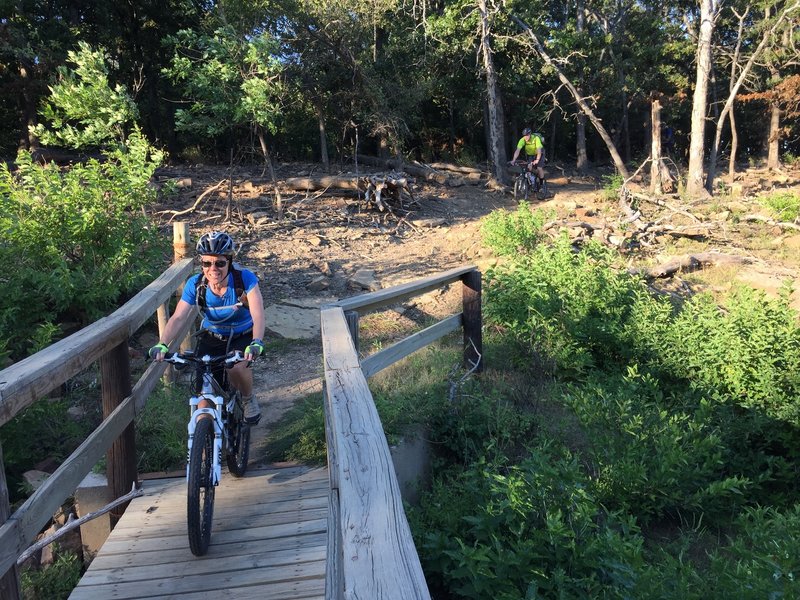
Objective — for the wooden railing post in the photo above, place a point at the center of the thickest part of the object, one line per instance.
(115, 378)
(351, 317)
(181, 248)
(9, 582)
(473, 333)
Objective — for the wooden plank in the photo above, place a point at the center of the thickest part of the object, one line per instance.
(374, 300)
(33, 377)
(334, 582)
(285, 530)
(214, 582)
(340, 353)
(105, 561)
(388, 356)
(299, 589)
(379, 557)
(169, 568)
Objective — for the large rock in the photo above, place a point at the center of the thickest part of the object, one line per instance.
(364, 279)
(292, 322)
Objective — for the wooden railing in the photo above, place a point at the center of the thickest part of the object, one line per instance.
(24, 382)
(371, 553)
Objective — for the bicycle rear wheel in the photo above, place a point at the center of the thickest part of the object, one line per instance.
(239, 448)
(200, 493)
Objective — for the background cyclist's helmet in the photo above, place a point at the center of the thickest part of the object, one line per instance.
(216, 242)
(527, 131)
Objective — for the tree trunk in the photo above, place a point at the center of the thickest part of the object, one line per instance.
(773, 153)
(734, 145)
(582, 162)
(497, 152)
(612, 149)
(263, 141)
(323, 140)
(694, 183)
(655, 147)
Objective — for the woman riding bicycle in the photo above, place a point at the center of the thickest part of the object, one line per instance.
(533, 145)
(233, 314)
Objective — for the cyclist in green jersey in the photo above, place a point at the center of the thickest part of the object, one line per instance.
(534, 152)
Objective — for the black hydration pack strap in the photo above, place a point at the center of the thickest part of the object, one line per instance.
(238, 286)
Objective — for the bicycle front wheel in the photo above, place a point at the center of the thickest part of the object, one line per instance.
(200, 494)
(521, 187)
(239, 448)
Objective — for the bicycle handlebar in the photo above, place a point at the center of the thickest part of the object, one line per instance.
(176, 358)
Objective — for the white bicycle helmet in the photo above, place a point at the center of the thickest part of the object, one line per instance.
(216, 242)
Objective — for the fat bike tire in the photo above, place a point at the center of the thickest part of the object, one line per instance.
(200, 493)
(239, 450)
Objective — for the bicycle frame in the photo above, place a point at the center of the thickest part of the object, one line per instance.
(210, 392)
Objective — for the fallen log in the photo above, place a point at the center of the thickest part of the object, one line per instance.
(769, 221)
(689, 263)
(418, 171)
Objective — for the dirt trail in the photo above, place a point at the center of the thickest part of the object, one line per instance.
(337, 245)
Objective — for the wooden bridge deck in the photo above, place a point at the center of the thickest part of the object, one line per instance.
(268, 542)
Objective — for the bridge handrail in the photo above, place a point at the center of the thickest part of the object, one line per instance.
(31, 378)
(371, 553)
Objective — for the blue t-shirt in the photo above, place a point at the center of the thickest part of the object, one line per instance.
(225, 321)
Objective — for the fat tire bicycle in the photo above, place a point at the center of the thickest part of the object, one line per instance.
(212, 432)
(523, 186)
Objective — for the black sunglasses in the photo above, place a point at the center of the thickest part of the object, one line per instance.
(216, 263)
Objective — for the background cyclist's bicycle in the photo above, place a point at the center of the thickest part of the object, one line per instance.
(212, 432)
(526, 182)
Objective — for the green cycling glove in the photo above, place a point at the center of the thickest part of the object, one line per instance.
(256, 348)
(159, 348)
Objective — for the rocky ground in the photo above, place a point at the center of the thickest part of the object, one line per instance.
(331, 244)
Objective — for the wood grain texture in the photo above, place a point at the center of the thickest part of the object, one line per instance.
(394, 295)
(379, 560)
(259, 549)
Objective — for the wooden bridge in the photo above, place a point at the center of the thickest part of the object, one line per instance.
(339, 532)
(269, 540)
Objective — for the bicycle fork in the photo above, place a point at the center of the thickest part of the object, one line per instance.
(216, 415)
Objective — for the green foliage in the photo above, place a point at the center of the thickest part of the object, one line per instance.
(53, 582)
(612, 185)
(526, 530)
(229, 79)
(161, 433)
(41, 431)
(509, 233)
(83, 109)
(78, 240)
(785, 205)
(300, 434)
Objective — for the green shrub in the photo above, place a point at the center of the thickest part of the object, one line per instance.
(54, 582)
(509, 233)
(526, 530)
(78, 239)
(611, 186)
(784, 205)
(161, 433)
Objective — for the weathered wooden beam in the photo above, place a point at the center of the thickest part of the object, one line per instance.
(9, 582)
(379, 557)
(18, 532)
(115, 378)
(473, 325)
(388, 356)
(371, 301)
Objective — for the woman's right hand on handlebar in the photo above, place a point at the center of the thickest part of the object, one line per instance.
(158, 351)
